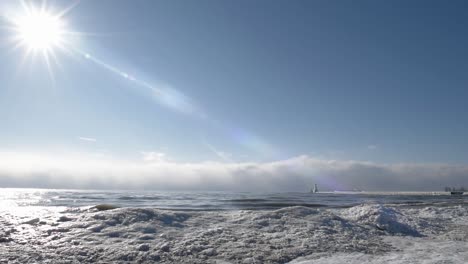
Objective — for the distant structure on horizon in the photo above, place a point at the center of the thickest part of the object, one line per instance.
(455, 191)
(315, 189)
(348, 191)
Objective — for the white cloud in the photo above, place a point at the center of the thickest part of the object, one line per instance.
(21, 169)
(152, 156)
(88, 139)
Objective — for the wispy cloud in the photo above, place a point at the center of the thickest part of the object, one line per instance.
(28, 169)
(88, 139)
(372, 147)
(153, 156)
(220, 154)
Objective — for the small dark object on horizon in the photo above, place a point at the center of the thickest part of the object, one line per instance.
(455, 191)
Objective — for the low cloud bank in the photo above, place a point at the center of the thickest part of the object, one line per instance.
(20, 169)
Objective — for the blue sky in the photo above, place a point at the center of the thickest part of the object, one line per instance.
(246, 81)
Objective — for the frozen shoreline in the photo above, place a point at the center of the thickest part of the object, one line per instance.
(366, 233)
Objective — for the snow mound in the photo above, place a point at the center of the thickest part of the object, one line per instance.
(294, 211)
(452, 212)
(128, 216)
(383, 218)
(409, 250)
(372, 233)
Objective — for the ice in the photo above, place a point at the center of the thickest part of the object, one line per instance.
(408, 250)
(367, 233)
(383, 218)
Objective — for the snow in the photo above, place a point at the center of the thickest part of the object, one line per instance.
(383, 218)
(408, 250)
(367, 233)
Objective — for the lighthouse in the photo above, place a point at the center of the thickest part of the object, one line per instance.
(315, 190)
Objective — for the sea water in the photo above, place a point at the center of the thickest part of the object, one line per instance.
(65, 226)
(220, 200)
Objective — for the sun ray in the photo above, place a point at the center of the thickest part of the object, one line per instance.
(49, 67)
(68, 9)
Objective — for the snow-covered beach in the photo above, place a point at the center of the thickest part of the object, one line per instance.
(365, 233)
(233, 132)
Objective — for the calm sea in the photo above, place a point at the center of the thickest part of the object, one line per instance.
(217, 200)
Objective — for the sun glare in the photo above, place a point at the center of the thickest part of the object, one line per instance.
(39, 30)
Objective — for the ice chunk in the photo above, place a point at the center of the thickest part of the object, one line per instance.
(383, 218)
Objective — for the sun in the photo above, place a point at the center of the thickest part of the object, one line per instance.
(39, 30)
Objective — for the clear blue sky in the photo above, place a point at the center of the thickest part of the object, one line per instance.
(381, 81)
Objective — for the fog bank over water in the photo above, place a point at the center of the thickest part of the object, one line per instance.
(27, 169)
